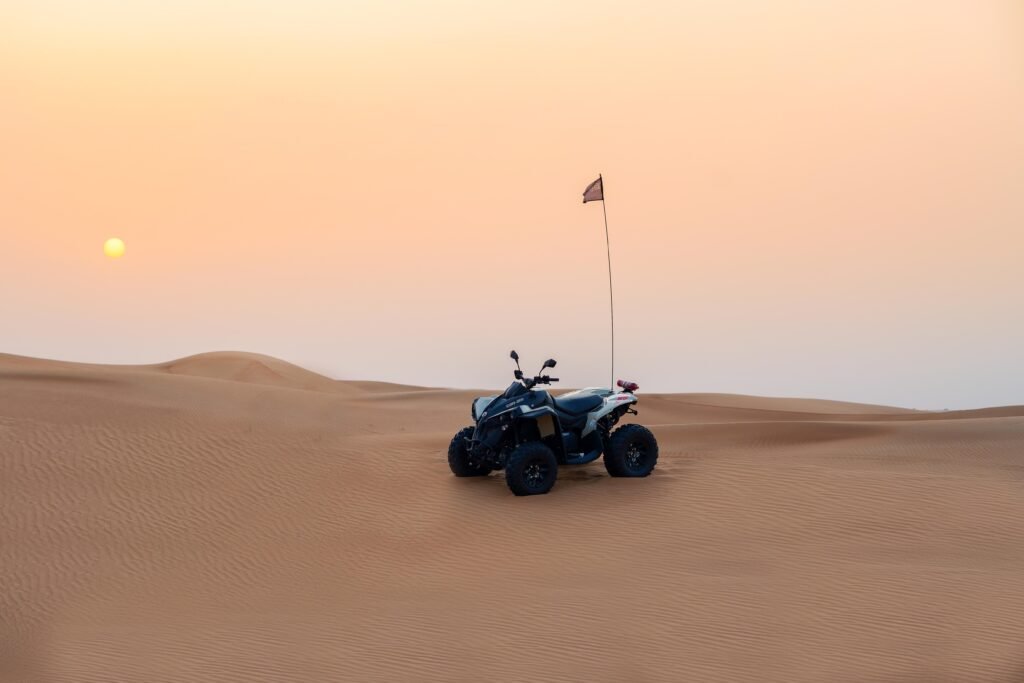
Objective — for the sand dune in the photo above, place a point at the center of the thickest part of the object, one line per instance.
(252, 368)
(232, 517)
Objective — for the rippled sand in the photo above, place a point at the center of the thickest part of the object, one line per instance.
(230, 517)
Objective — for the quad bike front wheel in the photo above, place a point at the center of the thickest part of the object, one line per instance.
(458, 457)
(632, 451)
(531, 469)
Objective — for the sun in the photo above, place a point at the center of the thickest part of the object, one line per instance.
(114, 248)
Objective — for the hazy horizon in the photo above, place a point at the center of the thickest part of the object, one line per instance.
(820, 200)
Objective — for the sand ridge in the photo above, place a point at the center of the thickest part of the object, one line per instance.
(233, 517)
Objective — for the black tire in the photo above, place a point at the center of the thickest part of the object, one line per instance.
(632, 451)
(459, 460)
(531, 469)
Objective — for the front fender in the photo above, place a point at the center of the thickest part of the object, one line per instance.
(546, 419)
(487, 437)
(542, 423)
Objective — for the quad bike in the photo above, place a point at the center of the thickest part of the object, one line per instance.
(529, 433)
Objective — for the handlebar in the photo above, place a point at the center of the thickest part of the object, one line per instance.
(529, 383)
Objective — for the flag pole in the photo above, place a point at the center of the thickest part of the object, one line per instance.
(611, 295)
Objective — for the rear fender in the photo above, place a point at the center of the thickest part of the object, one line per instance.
(617, 401)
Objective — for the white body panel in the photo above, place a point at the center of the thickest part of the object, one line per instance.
(480, 403)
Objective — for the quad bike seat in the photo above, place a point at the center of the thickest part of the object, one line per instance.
(577, 405)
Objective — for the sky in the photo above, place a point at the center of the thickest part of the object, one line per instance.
(819, 199)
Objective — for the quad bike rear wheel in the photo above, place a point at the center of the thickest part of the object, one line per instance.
(632, 451)
(458, 457)
(531, 469)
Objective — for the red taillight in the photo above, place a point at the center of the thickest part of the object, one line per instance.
(628, 386)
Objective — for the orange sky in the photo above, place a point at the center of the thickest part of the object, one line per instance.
(806, 198)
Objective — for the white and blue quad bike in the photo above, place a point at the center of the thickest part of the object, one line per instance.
(529, 433)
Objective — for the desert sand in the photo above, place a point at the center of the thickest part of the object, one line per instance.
(232, 517)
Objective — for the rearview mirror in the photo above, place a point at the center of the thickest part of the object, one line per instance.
(549, 363)
(514, 356)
